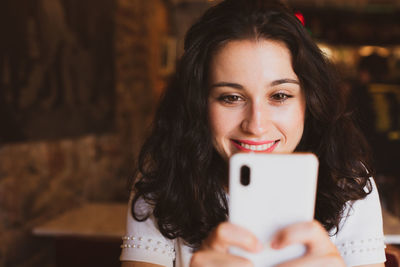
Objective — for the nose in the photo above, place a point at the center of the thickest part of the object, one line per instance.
(255, 121)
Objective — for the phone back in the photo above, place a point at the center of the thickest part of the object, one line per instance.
(275, 191)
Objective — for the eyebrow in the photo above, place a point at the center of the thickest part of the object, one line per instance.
(281, 81)
(240, 87)
(227, 84)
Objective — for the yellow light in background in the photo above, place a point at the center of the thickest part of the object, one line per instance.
(365, 51)
(326, 50)
(396, 52)
(368, 50)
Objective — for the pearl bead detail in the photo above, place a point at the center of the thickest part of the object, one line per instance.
(148, 244)
(361, 246)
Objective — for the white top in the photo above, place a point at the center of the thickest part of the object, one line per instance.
(360, 238)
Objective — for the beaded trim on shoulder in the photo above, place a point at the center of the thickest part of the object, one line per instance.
(148, 244)
(361, 246)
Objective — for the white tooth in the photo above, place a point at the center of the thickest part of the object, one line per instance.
(264, 147)
(257, 148)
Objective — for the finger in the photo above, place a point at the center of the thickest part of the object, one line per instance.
(227, 234)
(216, 259)
(311, 234)
(332, 260)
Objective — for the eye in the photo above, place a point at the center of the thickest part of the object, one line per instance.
(280, 97)
(230, 99)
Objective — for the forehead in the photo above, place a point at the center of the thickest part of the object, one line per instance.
(249, 43)
(252, 59)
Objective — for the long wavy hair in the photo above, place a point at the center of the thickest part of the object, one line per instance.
(180, 174)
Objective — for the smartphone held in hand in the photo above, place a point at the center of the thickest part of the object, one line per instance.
(268, 192)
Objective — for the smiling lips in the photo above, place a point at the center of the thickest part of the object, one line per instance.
(252, 146)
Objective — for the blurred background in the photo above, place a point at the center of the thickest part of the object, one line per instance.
(79, 83)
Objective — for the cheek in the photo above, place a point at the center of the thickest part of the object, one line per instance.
(297, 123)
(291, 123)
(215, 124)
(221, 121)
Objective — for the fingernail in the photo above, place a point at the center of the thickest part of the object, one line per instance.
(274, 244)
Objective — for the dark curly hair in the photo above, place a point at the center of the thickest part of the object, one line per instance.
(180, 174)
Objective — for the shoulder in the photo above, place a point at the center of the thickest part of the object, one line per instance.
(144, 242)
(360, 237)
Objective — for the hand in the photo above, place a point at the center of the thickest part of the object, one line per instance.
(320, 250)
(214, 249)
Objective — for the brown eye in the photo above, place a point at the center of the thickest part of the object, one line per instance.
(230, 99)
(280, 97)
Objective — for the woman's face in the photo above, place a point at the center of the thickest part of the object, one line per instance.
(255, 102)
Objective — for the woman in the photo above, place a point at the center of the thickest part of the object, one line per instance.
(250, 78)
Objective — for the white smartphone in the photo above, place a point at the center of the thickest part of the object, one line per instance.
(268, 192)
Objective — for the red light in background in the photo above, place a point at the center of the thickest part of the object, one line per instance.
(300, 16)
